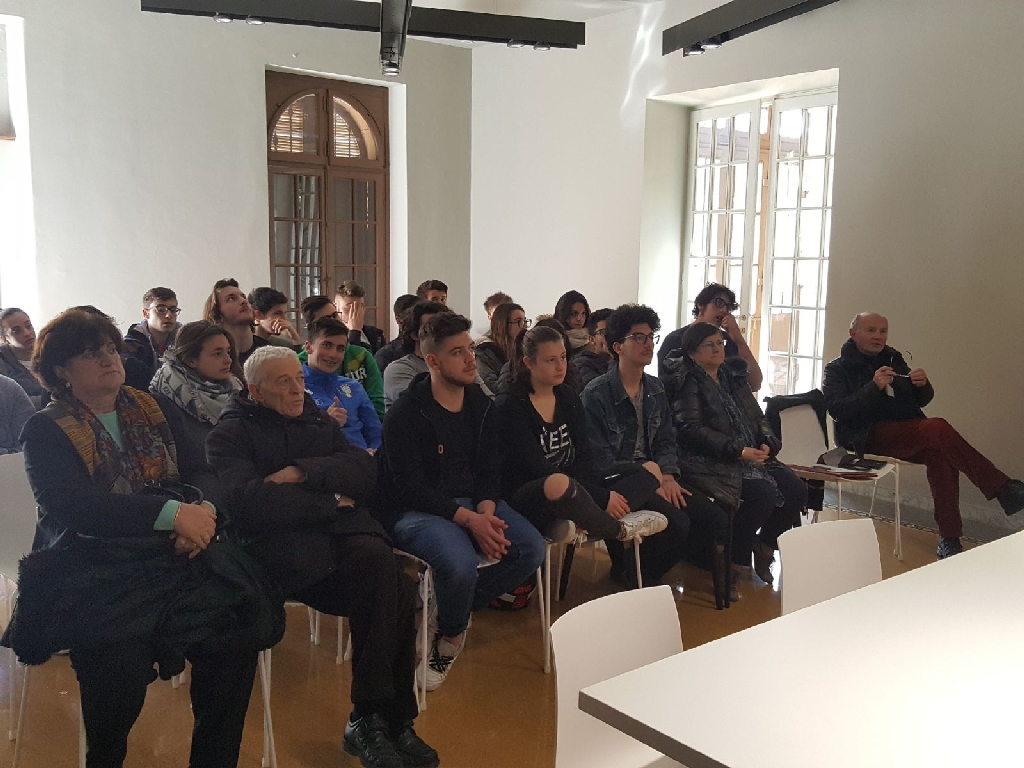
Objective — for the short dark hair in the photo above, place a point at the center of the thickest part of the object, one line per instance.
(326, 326)
(625, 317)
(68, 335)
(527, 344)
(158, 294)
(211, 309)
(695, 334)
(441, 326)
(350, 288)
(430, 285)
(496, 299)
(310, 306)
(4, 314)
(563, 308)
(189, 342)
(403, 302)
(413, 317)
(264, 299)
(708, 294)
(598, 316)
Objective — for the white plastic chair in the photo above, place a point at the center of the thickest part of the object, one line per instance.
(599, 640)
(826, 560)
(803, 442)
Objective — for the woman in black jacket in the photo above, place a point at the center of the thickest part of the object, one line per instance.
(727, 449)
(497, 347)
(548, 469)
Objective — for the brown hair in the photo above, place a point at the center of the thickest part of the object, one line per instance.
(68, 335)
(496, 300)
(351, 289)
(501, 332)
(192, 337)
(211, 309)
(527, 345)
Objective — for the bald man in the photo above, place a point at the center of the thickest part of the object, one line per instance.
(876, 401)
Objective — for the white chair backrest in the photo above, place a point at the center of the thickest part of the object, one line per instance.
(17, 514)
(825, 560)
(802, 439)
(599, 640)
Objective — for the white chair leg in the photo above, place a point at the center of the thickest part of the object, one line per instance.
(559, 565)
(81, 738)
(547, 610)
(898, 543)
(839, 495)
(269, 748)
(425, 640)
(12, 677)
(20, 729)
(636, 559)
(544, 624)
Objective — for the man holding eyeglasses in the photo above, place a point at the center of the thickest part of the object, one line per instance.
(715, 304)
(147, 341)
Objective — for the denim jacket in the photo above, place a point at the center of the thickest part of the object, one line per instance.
(612, 424)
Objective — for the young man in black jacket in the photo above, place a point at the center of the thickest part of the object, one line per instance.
(441, 488)
(297, 490)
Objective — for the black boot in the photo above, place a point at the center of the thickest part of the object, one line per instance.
(414, 751)
(1011, 497)
(368, 739)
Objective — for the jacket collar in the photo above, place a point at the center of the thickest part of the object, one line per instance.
(242, 406)
(651, 385)
(850, 353)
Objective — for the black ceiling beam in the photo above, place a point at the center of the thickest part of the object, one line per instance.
(732, 20)
(366, 17)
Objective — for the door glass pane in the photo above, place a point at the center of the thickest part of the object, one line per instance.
(828, 235)
(699, 237)
(342, 199)
(717, 271)
(807, 282)
(367, 277)
(296, 197)
(812, 193)
(832, 131)
(803, 374)
(365, 245)
(741, 138)
(830, 165)
(298, 282)
(719, 187)
(737, 232)
(787, 185)
(824, 283)
(778, 375)
(810, 234)
(817, 130)
(778, 336)
(785, 235)
(696, 270)
(782, 282)
(735, 280)
(739, 186)
(701, 189)
(366, 200)
(791, 131)
(296, 129)
(704, 142)
(806, 332)
(723, 127)
(717, 243)
(296, 242)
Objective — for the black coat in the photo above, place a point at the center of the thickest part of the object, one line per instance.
(489, 360)
(412, 457)
(370, 337)
(289, 526)
(709, 449)
(392, 351)
(523, 457)
(587, 366)
(856, 403)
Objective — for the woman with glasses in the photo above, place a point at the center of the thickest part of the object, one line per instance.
(497, 346)
(715, 304)
(727, 449)
(573, 312)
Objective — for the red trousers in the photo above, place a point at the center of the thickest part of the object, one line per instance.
(945, 454)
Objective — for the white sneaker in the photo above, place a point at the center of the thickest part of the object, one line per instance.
(442, 656)
(642, 523)
(562, 532)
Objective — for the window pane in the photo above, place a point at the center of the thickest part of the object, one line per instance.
(803, 375)
(832, 132)
(817, 130)
(737, 233)
(829, 166)
(735, 279)
(824, 284)
(365, 244)
(763, 123)
(704, 142)
(296, 129)
(778, 336)
(366, 201)
(296, 242)
(342, 197)
(298, 283)
(284, 196)
(719, 187)
(813, 190)
(699, 237)
(343, 245)
(696, 271)
(806, 332)
(810, 234)
(821, 339)
(739, 186)
(741, 138)
(353, 137)
(807, 282)
(778, 375)
(785, 235)
(717, 243)
(701, 190)
(718, 271)
(760, 176)
(341, 274)
(782, 282)
(367, 277)
(828, 235)
(723, 127)
(791, 130)
(788, 185)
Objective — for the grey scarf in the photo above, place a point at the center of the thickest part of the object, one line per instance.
(202, 400)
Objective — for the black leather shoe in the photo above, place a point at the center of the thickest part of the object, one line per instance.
(948, 547)
(415, 752)
(367, 738)
(1011, 497)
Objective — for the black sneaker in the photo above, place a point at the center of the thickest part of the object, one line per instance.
(367, 738)
(1011, 497)
(414, 751)
(948, 547)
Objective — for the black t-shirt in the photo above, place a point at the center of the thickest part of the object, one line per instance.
(556, 440)
(459, 451)
(257, 342)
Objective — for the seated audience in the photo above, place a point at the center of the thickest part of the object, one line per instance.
(494, 300)
(342, 398)
(270, 312)
(441, 489)
(573, 312)
(17, 340)
(594, 359)
(297, 490)
(136, 373)
(359, 363)
(631, 422)
(548, 465)
(543, 321)
(498, 346)
(351, 303)
(403, 344)
(103, 465)
(715, 304)
(401, 372)
(15, 409)
(433, 290)
(198, 377)
(147, 341)
(727, 449)
(228, 307)
(876, 401)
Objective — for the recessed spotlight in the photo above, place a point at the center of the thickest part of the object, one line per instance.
(390, 69)
(221, 18)
(516, 44)
(711, 43)
(693, 50)
(254, 21)
(542, 46)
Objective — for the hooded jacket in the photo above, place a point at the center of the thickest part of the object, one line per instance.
(709, 449)
(289, 526)
(413, 461)
(362, 427)
(139, 344)
(856, 403)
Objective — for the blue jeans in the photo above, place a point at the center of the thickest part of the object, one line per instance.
(452, 554)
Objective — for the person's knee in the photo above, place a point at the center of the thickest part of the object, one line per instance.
(940, 433)
(555, 486)
(529, 546)
(654, 469)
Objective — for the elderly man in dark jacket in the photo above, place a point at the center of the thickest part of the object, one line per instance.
(297, 491)
(876, 401)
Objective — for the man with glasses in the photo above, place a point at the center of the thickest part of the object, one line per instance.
(876, 401)
(715, 304)
(591, 361)
(147, 341)
(629, 423)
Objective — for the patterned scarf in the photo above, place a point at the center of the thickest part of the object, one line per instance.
(149, 455)
(202, 400)
(578, 338)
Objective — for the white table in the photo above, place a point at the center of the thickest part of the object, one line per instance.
(923, 669)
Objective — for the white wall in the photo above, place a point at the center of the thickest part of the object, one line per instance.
(148, 151)
(926, 227)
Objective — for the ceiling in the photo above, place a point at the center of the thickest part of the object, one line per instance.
(570, 10)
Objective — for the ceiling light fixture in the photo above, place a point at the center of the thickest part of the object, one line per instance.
(712, 43)
(516, 43)
(693, 50)
(542, 46)
(254, 21)
(390, 69)
(222, 18)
